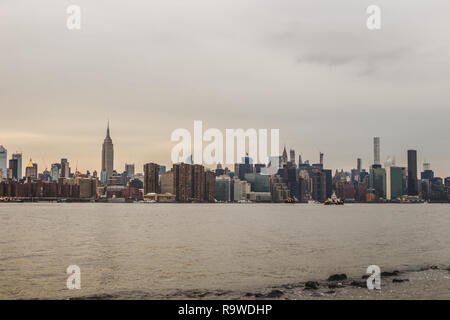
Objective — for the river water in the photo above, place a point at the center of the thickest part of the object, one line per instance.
(148, 251)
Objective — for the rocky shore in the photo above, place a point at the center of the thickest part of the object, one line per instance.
(431, 282)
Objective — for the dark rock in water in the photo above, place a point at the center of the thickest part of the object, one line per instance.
(399, 280)
(359, 284)
(275, 294)
(365, 276)
(248, 294)
(434, 268)
(311, 285)
(390, 274)
(258, 295)
(338, 277)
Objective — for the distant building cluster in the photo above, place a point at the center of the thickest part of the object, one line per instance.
(295, 181)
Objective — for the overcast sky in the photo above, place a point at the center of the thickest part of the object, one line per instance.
(310, 68)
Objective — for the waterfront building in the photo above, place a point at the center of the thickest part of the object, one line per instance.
(167, 185)
(258, 182)
(279, 191)
(394, 183)
(377, 182)
(151, 178)
(240, 190)
(108, 154)
(223, 188)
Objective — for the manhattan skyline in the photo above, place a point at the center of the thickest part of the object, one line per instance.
(311, 69)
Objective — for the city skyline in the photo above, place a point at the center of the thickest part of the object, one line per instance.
(107, 159)
(313, 70)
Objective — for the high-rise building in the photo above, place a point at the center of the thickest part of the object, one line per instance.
(321, 159)
(55, 171)
(223, 189)
(358, 164)
(3, 164)
(108, 154)
(376, 151)
(394, 182)
(412, 173)
(129, 170)
(30, 171)
(18, 157)
(292, 156)
(13, 169)
(65, 168)
(151, 178)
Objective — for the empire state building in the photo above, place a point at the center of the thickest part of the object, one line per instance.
(108, 155)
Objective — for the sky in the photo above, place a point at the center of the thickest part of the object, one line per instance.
(311, 69)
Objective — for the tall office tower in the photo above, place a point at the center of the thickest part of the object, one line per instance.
(376, 151)
(13, 166)
(30, 171)
(18, 157)
(292, 156)
(358, 164)
(300, 159)
(284, 157)
(321, 158)
(108, 155)
(412, 173)
(55, 171)
(151, 178)
(3, 158)
(65, 169)
(129, 170)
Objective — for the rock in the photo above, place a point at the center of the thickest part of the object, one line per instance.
(434, 268)
(275, 294)
(248, 294)
(399, 280)
(311, 285)
(359, 284)
(365, 276)
(338, 277)
(390, 274)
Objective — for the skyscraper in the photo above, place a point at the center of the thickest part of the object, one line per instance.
(65, 169)
(108, 154)
(30, 170)
(3, 158)
(18, 157)
(292, 156)
(129, 170)
(376, 151)
(151, 178)
(412, 173)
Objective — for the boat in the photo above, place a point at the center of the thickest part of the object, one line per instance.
(334, 200)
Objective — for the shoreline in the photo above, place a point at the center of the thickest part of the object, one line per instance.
(431, 282)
